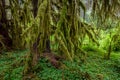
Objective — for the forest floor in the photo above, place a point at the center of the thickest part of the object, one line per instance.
(94, 67)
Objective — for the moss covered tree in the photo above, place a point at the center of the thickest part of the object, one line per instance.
(35, 24)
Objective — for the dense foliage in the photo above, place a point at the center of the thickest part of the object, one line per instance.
(62, 39)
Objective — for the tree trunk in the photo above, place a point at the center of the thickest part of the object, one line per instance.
(109, 48)
(109, 51)
(4, 27)
(35, 7)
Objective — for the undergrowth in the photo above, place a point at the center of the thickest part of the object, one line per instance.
(94, 68)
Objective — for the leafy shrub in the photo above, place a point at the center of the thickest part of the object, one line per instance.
(90, 47)
(116, 46)
(117, 65)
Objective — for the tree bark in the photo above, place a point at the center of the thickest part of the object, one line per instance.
(35, 7)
